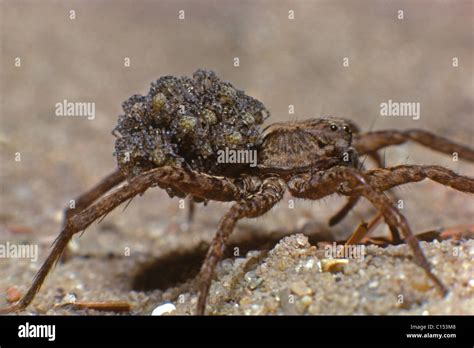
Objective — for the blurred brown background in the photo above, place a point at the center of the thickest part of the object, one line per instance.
(282, 62)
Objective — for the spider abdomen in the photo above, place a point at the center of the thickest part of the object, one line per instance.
(185, 122)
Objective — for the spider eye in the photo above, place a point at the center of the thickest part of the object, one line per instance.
(347, 129)
(333, 127)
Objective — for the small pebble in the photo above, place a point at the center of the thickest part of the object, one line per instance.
(73, 246)
(13, 294)
(313, 309)
(302, 240)
(58, 216)
(252, 280)
(70, 298)
(246, 300)
(303, 304)
(281, 265)
(373, 285)
(332, 265)
(164, 309)
(271, 305)
(421, 286)
(309, 264)
(300, 288)
(306, 300)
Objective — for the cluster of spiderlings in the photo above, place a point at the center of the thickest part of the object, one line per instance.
(185, 122)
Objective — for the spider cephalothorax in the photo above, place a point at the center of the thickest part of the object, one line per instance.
(162, 144)
(302, 146)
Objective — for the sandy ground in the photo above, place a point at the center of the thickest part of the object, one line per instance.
(282, 62)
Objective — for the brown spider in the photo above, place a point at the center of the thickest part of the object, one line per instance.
(311, 159)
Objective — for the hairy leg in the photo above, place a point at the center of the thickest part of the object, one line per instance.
(352, 202)
(386, 178)
(87, 198)
(369, 143)
(270, 193)
(195, 183)
(349, 181)
(373, 141)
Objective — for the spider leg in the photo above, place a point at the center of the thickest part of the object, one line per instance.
(87, 198)
(386, 178)
(201, 185)
(270, 193)
(372, 141)
(363, 230)
(352, 202)
(369, 143)
(349, 181)
(75, 223)
(342, 213)
(191, 211)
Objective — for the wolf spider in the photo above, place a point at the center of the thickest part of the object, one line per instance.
(311, 159)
